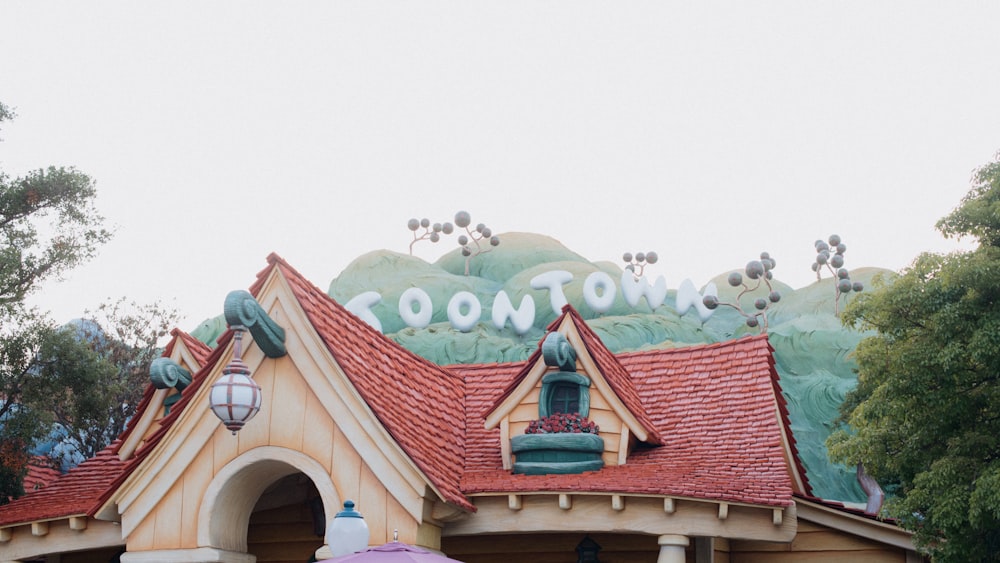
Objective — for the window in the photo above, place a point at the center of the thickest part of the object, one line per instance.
(565, 398)
(564, 391)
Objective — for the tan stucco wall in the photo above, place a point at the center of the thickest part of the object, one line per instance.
(291, 417)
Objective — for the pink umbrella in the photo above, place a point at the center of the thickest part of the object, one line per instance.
(392, 552)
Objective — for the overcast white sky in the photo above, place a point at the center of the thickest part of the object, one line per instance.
(707, 131)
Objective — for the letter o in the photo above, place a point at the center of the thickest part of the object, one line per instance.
(464, 322)
(599, 303)
(422, 317)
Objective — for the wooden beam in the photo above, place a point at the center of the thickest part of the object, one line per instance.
(723, 510)
(776, 516)
(623, 445)
(505, 443)
(6, 534)
(77, 522)
(39, 528)
(541, 513)
(617, 503)
(514, 502)
(565, 501)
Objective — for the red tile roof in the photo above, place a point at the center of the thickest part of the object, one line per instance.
(41, 472)
(198, 349)
(614, 373)
(397, 384)
(73, 494)
(85, 488)
(713, 405)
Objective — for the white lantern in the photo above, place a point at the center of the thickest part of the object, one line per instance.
(234, 397)
(347, 532)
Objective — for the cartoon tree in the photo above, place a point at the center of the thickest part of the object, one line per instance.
(760, 271)
(431, 232)
(473, 242)
(636, 264)
(835, 264)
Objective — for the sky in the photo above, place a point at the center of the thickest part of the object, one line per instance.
(219, 132)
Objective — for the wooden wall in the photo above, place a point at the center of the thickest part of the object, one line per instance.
(812, 544)
(816, 544)
(600, 412)
(283, 535)
(551, 548)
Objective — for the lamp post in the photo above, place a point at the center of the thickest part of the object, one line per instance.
(347, 532)
(235, 398)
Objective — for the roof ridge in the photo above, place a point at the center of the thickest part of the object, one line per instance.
(614, 373)
(433, 440)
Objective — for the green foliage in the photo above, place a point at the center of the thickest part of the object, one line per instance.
(75, 385)
(22, 336)
(5, 113)
(100, 370)
(979, 214)
(925, 417)
(48, 225)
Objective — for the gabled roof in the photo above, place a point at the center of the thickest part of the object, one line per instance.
(41, 472)
(198, 349)
(610, 370)
(717, 411)
(85, 488)
(620, 380)
(76, 493)
(419, 403)
(714, 406)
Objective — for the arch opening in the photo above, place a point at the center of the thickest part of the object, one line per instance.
(256, 484)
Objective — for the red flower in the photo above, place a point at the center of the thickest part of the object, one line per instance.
(562, 423)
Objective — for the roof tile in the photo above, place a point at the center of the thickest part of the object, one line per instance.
(712, 407)
(709, 451)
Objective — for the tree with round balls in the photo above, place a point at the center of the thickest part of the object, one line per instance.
(636, 264)
(830, 255)
(431, 232)
(474, 241)
(760, 272)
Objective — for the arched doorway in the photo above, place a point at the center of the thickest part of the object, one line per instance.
(254, 492)
(288, 522)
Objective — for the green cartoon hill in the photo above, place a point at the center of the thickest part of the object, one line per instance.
(812, 348)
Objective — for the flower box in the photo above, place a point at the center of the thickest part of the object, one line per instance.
(562, 453)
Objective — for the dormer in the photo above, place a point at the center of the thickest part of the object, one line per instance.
(169, 376)
(572, 379)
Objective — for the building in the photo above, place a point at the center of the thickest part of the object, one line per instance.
(694, 459)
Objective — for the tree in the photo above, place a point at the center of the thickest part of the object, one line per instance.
(925, 416)
(97, 370)
(48, 224)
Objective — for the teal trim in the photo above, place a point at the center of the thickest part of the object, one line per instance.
(549, 382)
(241, 309)
(348, 511)
(571, 377)
(541, 454)
(166, 373)
(561, 468)
(169, 402)
(558, 352)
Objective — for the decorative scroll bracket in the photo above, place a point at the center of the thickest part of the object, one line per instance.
(558, 352)
(166, 373)
(242, 309)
